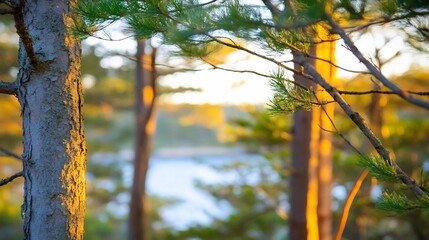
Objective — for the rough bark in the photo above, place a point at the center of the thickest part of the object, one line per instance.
(145, 126)
(50, 95)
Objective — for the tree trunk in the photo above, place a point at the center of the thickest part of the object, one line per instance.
(324, 209)
(50, 94)
(310, 183)
(303, 180)
(145, 127)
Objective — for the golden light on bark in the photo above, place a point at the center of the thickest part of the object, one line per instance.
(313, 182)
(151, 125)
(148, 95)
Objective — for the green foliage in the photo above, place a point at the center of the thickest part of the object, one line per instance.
(288, 97)
(394, 202)
(379, 168)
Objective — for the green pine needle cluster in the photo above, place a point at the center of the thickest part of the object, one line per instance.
(379, 169)
(288, 98)
(395, 202)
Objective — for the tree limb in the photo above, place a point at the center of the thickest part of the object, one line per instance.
(6, 11)
(346, 209)
(7, 180)
(22, 31)
(273, 9)
(342, 92)
(10, 153)
(360, 123)
(386, 82)
(8, 88)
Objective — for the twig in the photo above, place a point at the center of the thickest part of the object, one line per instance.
(352, 194)
(385, 20)
(10, 153)
(386, 82)
(356, 187)
(7, 180)
(342, 92)
(360, 123)
(8, 88)
(6, 11)
(337, 66)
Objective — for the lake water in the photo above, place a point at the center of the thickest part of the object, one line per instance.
(173, 176)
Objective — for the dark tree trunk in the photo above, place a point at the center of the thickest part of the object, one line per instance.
(145, 127)
(50, 94)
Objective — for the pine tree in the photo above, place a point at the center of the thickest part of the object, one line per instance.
(49, 91)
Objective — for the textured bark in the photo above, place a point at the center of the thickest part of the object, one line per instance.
(50, 95)
(145, 126)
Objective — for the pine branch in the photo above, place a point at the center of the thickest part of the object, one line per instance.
(10, 153)
(7, 180)
(360, 123)
(225, 43)
(8, 88)
(394, 202)
(386, 82)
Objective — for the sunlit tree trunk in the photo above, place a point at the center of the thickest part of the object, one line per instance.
(145, 127)
(50, 95)
(324, 210)
(303, 180)
(310, 182)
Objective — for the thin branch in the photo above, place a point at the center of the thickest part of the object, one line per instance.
(356, 187)
(346, 209)
(273, 9)
(386, 82)
(342, 92)
(337, 66)
(360, 123)
(10, 153)
(23, 33)
(8, 88)
(385, 20)
(6, 11)
(7, 180)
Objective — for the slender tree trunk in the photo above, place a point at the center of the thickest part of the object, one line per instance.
(310, 183)
(324, 210)
(145, 127)
(303, 180)
(50, 94)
